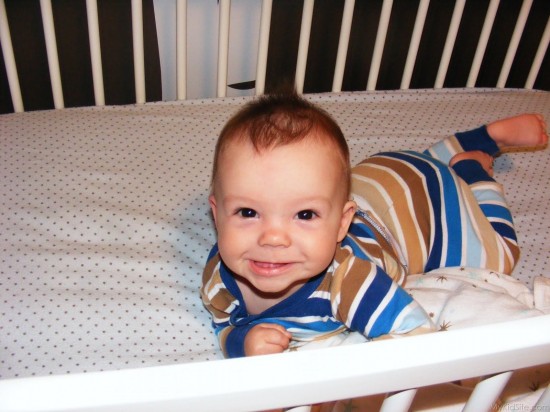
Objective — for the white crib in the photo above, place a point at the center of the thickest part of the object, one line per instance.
(91, 255)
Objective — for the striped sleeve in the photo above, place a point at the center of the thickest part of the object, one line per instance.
(367, 300)
(218, 300)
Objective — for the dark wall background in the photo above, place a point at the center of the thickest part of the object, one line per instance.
(115, 21)
(117, 55)
(285, 26)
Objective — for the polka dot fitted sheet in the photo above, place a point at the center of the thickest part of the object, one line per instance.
(105, 226)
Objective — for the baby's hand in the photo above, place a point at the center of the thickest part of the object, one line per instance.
(266, 338)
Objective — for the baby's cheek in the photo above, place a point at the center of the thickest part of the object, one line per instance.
(231, 245)
(322, 252)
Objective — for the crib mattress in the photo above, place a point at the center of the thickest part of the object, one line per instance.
(105, 225)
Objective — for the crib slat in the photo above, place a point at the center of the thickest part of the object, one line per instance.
(343, 44)
(379, 44)
(537, 61)
(449, 43)
(415, 42)
(181, 49)
(51, 50)
(486, 393)
(139, 54)
(514, 42)
(263, 46)
(482, 43)
(9, 61)
(400, 401)
(543, 404)
(95, 51)
(303, 46)
(223, 46)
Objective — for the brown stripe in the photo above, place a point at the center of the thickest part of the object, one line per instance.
(418, 210)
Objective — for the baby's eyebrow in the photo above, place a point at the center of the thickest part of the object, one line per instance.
(299, 203)
(237, 199)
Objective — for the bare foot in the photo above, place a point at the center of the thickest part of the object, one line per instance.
(525, 130)
(485, 160)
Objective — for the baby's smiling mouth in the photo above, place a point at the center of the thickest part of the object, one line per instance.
(269, 268)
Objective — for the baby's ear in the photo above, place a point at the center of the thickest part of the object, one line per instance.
(214, 208)
(347, 216)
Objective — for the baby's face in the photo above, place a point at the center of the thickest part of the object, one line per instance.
(280, 213)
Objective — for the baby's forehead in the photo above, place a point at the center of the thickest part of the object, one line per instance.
(318, 155)
(311, 140)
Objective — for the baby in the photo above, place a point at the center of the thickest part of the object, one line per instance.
(297, 260)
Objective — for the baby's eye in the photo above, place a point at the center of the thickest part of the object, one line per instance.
(247, 213)
(306, 214)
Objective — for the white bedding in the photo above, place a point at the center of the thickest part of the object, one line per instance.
(104, 223)
(461, 297)
(458, 298)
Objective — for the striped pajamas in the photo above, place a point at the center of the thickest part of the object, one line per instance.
(437, 215)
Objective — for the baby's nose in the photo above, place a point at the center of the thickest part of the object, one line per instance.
(275, 235)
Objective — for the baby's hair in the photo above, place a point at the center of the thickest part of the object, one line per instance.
(280, 119)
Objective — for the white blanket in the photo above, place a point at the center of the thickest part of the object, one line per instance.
(460, 297)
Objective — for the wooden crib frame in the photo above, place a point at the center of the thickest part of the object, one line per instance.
(299, 378)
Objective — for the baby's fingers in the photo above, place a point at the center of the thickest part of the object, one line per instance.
(276, 327)
(265, 339)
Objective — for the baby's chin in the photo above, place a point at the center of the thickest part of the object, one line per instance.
(275, 289)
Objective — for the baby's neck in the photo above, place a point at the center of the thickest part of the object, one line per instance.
(257, 301)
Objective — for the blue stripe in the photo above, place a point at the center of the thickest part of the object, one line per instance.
(477, 139)
(371, 300)
(234, 343)
(485, 195)
(400, 300)
(504, 230)
(359, 229)
(322, 326)
(213, 252)
(496, 211)
(474, 246)
(357, 251)
(451, 227)
(439, 151)
(451, 203)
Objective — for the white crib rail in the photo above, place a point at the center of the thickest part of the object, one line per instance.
(263, 46)
(514, 42)
(139, 54)
(537, 61)
(51, 49)
(95, 51)
(415, 43)
(482, 42)
(486, 393)
(9, 58)
(399, 402)
(544, 401)
(303, 46)
(343, 43)
(379, 44)
(449, 43)
(181, 46)
(299, 378)
(301, 64)
(223, 46)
